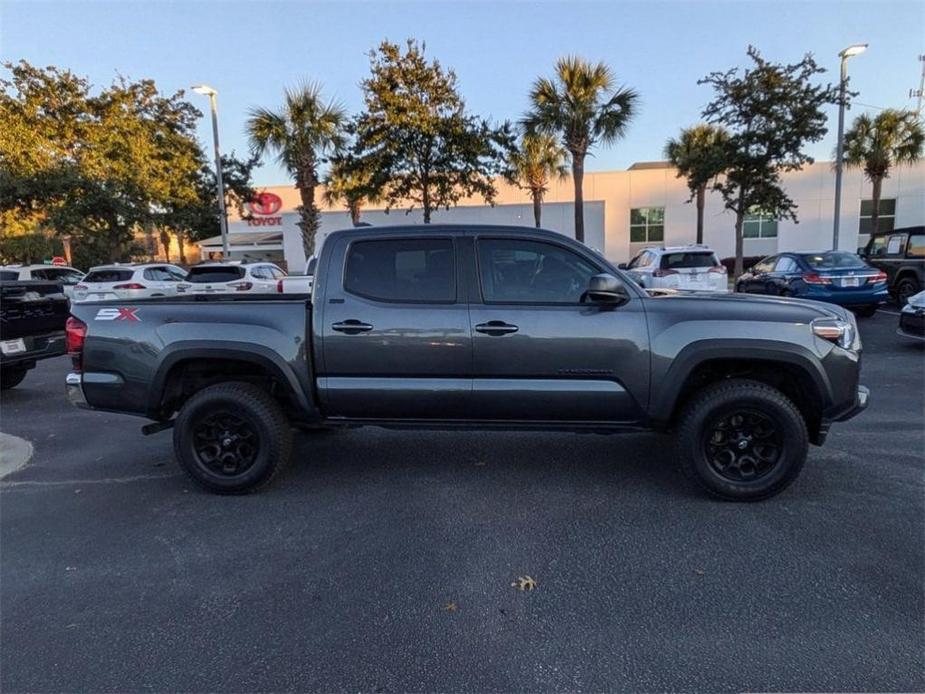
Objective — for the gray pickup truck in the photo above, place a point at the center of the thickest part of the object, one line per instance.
(473, 327)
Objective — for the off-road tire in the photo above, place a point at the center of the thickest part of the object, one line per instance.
(715, 401)
(260, 413)
(11, 377)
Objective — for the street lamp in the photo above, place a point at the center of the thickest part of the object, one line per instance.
(849, 52)
(206, 90)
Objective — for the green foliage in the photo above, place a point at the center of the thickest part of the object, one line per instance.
(700, 155)
(770, 111)
(583, 107)
(891, 138)
(350, 182)
(96, 166)
(416, 137)
(531, 166)
(28, 248)
(300, 135)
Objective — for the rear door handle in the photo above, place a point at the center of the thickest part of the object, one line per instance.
(496, 327)
(352, 327)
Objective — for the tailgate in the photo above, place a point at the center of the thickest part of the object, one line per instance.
(31, 308)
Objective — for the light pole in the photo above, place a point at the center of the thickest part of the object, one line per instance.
(850, 51)
(206, 90)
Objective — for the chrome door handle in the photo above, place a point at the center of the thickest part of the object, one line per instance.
(352, 327)
(496, 327)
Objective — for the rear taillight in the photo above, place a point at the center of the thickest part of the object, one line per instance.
(879, 277)
(664, 273)
(813, 278)
(719, 269)
(75, 331)
(241, 286)
(130, 285)
(279, 287)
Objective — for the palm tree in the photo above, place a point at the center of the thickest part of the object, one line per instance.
(531, 166)
(349, 183)
(581, 106)
(891, 138)
(700, 156)
(301, 134)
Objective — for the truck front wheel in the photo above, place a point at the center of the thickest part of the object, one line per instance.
(742, 440)
(232, 438)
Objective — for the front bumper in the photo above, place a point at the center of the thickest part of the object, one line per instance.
(861, 400)
(75, 391)
(912, 324)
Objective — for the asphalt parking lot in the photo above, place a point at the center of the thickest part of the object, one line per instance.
(383, 561)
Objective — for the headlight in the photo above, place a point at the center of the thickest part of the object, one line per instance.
(836, 330)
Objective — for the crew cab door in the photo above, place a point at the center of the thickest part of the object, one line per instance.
(395, 329)
(539, 354)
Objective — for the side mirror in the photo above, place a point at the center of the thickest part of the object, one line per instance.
(623, 266)
(606, 289)
(862, 251)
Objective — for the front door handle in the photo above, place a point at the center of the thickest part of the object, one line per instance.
(496, 327)
(352, 327)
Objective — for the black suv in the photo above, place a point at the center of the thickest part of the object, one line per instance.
(901, 255)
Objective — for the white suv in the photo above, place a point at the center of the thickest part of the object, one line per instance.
(688, 268)
(231, 277)
(110, 282)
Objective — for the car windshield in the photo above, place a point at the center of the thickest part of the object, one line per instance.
(220, 273)
(673, 261)
(108, 275)
(835, 260)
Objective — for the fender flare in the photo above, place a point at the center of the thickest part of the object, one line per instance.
(698, 353)
(258, 355)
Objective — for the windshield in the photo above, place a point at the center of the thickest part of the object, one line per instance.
(221, 273)
(834, 260)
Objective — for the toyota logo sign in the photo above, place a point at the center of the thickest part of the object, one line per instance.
(265, 204)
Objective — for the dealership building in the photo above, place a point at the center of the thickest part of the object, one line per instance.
(625, 211)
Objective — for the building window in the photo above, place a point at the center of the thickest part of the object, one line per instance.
(647, 224)
(759, 225)
(887, 215)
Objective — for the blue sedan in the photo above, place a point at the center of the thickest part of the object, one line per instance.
(837, 277)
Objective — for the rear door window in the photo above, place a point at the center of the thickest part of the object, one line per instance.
(204, 275)
(108, 275)
(402, 270)
(786, 264)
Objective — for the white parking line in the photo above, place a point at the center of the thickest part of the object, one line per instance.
(891, 313)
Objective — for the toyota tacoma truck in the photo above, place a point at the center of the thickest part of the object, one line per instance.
(473, 328)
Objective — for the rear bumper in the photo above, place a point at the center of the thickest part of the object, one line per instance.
(37, 347)
(73, 385)
(847, 297)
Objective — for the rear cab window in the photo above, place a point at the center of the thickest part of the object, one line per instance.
(9, 274)
(204, 275)
(402, 270)
(107, 275)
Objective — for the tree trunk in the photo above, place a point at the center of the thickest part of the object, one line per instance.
(578, 176)
(537, 207)
(308, 214)
(425, 199)
(701, 200)
(165, 242)
(354, 207)
(180, 243)
(740, 244)
(875, 198)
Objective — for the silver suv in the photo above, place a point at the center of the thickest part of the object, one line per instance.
(686, 268)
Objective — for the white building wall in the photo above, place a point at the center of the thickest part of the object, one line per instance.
(610, 195)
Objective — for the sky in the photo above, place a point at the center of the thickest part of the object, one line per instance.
(251, 51)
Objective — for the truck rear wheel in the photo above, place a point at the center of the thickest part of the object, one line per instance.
(232, 438)
(742, 440)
